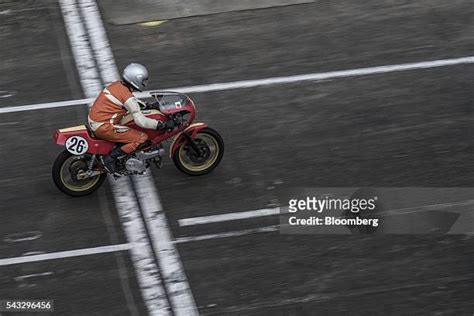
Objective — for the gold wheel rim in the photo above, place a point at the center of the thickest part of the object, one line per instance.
(213, 145)
(68, 181)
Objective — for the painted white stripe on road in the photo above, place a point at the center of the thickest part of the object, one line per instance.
(272, 228)
(25, 236)
(228, 217)
(80, 48)
(9, 123)
(65, 254)
(325, 75)
(30, 276)
(172, 271)
(244, 84)
(148, 274)
(49, 105)
(99, 41)
(237, 233)
(147, 271)
(276, 211)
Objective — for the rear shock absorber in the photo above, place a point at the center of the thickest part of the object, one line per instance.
(91, 162)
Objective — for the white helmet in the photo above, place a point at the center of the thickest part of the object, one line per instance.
(136, 76)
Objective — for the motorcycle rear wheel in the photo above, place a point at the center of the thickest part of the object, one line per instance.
(64, 169)
(212, 145)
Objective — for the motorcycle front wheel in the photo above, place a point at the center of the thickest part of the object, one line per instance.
(65, 170)
(211, 148)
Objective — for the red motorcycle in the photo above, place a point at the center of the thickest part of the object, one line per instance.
(196, 149)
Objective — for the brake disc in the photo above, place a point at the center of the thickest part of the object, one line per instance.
(205, 152)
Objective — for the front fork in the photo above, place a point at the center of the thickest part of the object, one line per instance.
(192, 144)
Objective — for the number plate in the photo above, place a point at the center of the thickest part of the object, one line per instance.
(77, 145)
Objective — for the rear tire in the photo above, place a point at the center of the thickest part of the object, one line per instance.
(210, 140)
(65, 181)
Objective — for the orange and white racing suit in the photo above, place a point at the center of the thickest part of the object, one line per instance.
(112, 104)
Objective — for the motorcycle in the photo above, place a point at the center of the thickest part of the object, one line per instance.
(195, 148)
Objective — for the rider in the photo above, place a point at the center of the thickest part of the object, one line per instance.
(112, 104)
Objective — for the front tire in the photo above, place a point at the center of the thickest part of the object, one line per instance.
(64, 169)
(212, 146)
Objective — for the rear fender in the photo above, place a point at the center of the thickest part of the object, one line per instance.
(179, 140)
(95, 145)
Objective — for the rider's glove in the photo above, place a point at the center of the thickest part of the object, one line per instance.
(168, 125)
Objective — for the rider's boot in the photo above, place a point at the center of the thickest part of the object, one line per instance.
(110, 161)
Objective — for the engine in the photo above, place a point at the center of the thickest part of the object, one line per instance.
(135, 165)
(140, 161)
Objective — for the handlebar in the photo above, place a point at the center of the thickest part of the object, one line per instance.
(151, 105)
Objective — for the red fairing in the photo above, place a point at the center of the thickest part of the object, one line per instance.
(192, 130)
(158, 136)
(96, 146)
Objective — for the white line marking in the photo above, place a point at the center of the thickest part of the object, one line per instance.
(65, 254)
(276, 211)
(271, 228)
(9, 123)
(34, 275)
(30, 253)
(326, 75)
(80, 48)
(120, 258)
(228, 217)
(41, 106)
(26, 236)
(272, 81)
(176, 284)
(148, 273)
(99, 41)
(143, 260)
(6, 94)
(172, 270)
(265, 229)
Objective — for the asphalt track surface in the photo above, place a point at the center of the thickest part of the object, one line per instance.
(408, 129)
